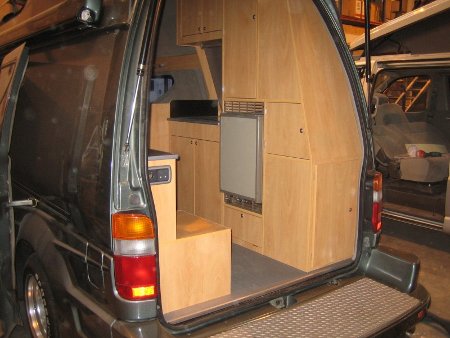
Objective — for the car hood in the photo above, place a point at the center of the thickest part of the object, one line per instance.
(422, 31)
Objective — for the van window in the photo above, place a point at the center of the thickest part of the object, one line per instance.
(410, 92)
(65, 108)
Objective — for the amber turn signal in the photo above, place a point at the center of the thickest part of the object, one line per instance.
(132, 226)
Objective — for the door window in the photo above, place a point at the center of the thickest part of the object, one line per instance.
(411, 92)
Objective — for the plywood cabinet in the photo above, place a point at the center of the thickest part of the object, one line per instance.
(246, 228)
(240, 49)
(199, 20)
(198, 190)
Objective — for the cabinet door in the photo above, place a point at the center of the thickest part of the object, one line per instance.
(285, 130)
(207, 191)
(212, 11)
(240, 49)
(286, 211)
(190, 17)
(277, 73)
(184, 147)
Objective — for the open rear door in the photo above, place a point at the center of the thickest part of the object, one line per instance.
(11, 74)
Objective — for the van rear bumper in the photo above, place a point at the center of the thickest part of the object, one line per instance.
(358, 307)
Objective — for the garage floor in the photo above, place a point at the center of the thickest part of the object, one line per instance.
(433, 249)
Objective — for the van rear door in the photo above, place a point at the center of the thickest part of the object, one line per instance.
(11, 74)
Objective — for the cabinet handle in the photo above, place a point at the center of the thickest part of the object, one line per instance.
(254, 17)
(195, 142)
(242, 215)
(301, 130)
(199, 29)
(204, 28)
(191, 141)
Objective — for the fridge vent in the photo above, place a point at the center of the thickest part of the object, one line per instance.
(244, 107)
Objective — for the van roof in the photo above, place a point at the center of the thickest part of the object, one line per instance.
(424, 30)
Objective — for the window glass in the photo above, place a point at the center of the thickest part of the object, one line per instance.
(410, 92)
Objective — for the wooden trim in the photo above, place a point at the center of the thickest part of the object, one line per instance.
(204, 65)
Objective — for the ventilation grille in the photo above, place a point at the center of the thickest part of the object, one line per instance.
(244, 107)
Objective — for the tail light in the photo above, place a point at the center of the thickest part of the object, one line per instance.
(377, 205)
(134, 256)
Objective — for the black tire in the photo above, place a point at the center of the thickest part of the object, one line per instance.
(40, 305)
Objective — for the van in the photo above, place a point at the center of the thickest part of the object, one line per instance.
(191, 168)
(410, 64)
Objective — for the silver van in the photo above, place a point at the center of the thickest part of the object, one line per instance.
(410, 62)
(190, 168)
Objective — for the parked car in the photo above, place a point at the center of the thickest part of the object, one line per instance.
(411, 95)
(242, 200)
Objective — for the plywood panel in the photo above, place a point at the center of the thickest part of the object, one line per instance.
(208, 198)
(164, 197)
(195, 269)
(326, 94)
(336, 212)
(240, 49)
(184, 147)
(195, 130)
(159, 135)
(277, 78)
(189, 17)
(212, 15)
(285, 130)
(286, 210)
(244, 226)
(189, 225)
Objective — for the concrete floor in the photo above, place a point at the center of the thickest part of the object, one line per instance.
(433, 249)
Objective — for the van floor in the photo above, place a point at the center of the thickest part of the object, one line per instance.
(252, 274)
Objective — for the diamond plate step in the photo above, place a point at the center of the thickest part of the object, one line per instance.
(359, 309)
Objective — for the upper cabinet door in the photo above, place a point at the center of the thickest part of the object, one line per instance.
(190, 17)
(240, 49)
(199, 21)
(212, 15)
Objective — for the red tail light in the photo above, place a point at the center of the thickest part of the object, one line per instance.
(134, 256)
(377, 205)
(135, 277)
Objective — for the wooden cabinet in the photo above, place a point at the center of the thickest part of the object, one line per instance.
(199, 20)
(240, 49)
(246, 228)
(198, 190)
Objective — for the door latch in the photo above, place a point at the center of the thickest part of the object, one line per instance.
(31, 202)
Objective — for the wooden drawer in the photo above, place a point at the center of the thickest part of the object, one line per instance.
(244, 226)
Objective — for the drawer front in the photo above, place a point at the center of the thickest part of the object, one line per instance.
(244, 226)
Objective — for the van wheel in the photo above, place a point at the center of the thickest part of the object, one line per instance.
(40, 305)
